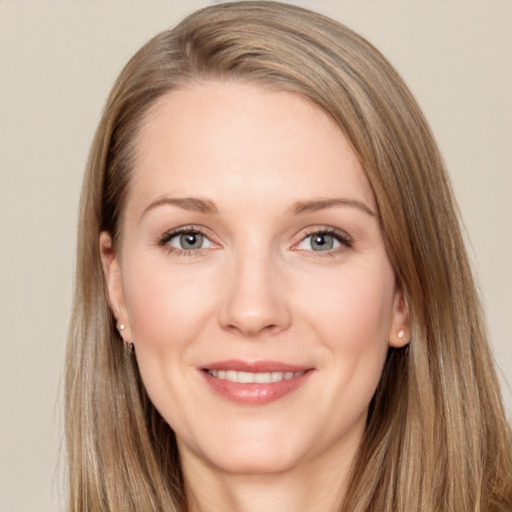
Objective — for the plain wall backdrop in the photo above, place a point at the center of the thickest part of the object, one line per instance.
(58, 60)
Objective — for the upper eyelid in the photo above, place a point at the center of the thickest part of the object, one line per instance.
(171, 233)
(327, 230)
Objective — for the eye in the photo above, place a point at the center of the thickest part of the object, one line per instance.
(324, 240)
(320, 242)
(187, 240)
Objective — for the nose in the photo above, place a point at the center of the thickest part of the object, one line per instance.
(254, 298)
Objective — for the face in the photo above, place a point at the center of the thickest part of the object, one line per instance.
(253, 279)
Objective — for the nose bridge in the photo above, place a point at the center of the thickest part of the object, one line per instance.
(254, 300)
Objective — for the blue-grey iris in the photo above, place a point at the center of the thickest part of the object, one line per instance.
(322, 242)
(191, 241)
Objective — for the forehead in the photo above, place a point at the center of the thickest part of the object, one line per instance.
(232, 141)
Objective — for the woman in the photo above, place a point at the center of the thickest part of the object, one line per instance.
(274, 307)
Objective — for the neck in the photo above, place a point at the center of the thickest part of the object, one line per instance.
(318, 486)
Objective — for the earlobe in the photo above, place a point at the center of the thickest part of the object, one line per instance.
(400, 331)
(114, 284)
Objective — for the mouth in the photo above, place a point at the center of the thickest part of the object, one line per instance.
(254, 378)
(254, 383)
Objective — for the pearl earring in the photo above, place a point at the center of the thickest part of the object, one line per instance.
(401, 333)
(121, 327)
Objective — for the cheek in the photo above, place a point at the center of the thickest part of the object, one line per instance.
(353, 319)
(168, 309)
(165, 305)
(356, 304)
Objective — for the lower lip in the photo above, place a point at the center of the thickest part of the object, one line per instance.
(255, 394)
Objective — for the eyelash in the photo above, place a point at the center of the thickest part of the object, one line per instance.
(340, 236)
(343, 238)
(164, 240)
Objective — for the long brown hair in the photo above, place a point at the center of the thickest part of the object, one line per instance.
(436, 438)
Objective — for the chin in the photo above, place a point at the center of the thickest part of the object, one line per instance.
(258, 449)
(256, 462)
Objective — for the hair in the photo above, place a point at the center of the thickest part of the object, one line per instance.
(436, 437)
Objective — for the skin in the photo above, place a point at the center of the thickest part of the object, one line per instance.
(256, 289)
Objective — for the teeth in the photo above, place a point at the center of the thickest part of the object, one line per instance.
(246, 377)
(230, 375)
(276, 376)
(251, 378)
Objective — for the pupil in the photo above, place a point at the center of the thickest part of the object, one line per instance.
(322, 242)
(191, 241)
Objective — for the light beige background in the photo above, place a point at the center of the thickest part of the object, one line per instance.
(57, 63)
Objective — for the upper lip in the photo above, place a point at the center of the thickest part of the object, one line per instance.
(254, 366)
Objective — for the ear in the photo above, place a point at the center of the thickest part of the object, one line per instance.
(114, 283)
(400, 330)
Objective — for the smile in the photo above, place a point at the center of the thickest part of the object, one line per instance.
(254, 378)
(254, 383)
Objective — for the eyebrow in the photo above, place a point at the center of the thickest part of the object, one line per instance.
(186, 203)
(322, 204)
(208, 207)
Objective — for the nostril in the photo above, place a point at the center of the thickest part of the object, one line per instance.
(254, 330)
(252, 302)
